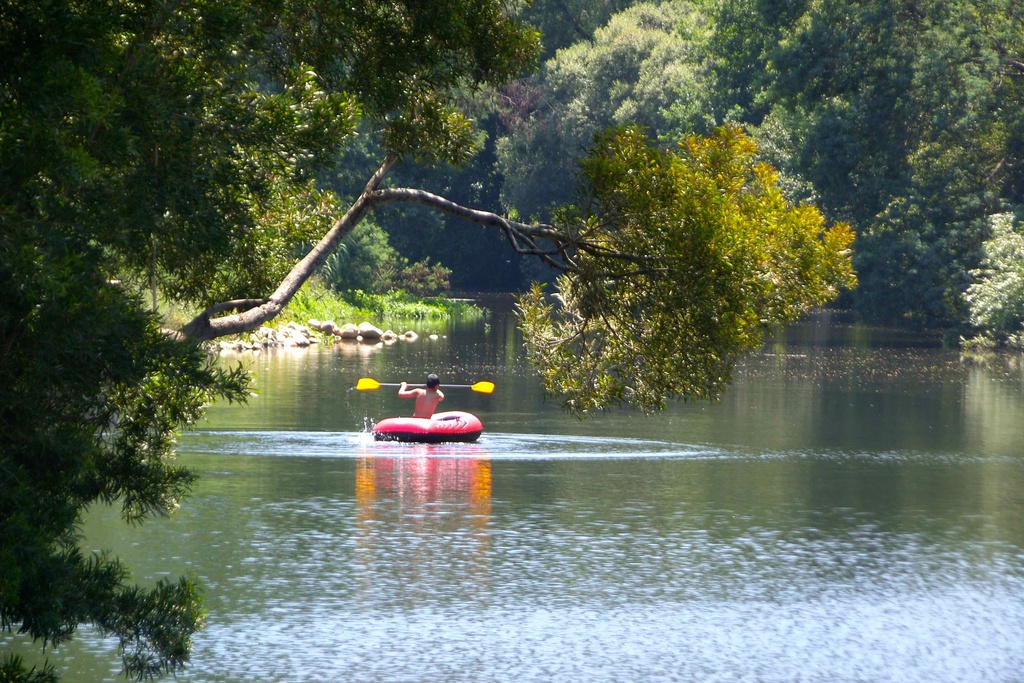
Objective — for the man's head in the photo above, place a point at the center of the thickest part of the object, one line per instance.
(432, 381)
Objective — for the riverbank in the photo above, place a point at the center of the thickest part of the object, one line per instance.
(293, 334)
(309, 319)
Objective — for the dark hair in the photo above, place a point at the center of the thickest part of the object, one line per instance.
(432, 381)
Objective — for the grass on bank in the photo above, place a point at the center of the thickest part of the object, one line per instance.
(315, 300)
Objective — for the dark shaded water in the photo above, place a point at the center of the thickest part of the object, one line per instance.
(853, 510)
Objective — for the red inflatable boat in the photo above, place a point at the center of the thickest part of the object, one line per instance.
(453, 425)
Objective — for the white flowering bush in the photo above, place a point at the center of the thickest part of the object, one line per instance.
(996, 299)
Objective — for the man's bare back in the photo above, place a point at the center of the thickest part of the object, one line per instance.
(426, 399)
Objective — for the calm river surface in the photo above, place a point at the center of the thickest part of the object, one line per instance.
(852, 510)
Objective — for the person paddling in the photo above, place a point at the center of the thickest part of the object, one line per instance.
(426, 399)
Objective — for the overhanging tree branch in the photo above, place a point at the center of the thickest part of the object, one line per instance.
(205, 327)
(253, 313)
(522, 236)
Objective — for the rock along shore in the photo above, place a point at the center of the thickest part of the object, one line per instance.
(314, 332)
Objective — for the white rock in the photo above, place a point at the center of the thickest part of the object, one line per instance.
(368, 331)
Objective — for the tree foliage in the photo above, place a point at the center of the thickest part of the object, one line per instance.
(900, 117)
(366, 261)
(643, 67)
(996, 298)
(94, 393)
(678, 262)
(908, 120)
(185, 136)
(563, 23)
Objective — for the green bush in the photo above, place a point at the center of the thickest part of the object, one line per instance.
(317, 300)
(366, 261)
(996, 299)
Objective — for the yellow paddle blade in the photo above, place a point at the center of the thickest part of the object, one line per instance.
(483, 387)
(367, 383)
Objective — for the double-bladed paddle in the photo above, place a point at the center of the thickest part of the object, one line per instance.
(368, 384)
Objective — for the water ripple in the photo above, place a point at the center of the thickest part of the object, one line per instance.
(498, 446)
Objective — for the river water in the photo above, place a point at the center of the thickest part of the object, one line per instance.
(852, 510)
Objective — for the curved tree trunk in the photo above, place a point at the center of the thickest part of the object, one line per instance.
(252, 313)
(256, 312)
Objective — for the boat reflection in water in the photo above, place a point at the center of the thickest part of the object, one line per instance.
(423, 519)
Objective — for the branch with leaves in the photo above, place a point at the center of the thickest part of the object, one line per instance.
(724, 258)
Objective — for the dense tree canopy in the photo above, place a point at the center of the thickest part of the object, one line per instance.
(185, 136)
(640, 68)
(566, 22)
(898, 115)
(902, 118)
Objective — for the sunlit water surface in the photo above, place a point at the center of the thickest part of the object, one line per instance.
(853, 510)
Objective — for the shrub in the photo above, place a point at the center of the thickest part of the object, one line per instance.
(996, 299)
